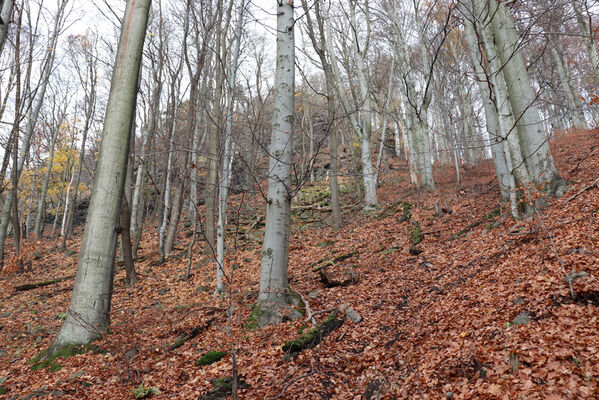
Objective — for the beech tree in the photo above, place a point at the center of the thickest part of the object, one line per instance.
(88, 316)
(274, 296)
(6, 7)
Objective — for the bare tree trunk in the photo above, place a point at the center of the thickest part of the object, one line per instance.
(319, 45)
(126, 250)
(576, 110)
(590, 36)
(492, 119)
(5, 17)
(535, 149)
(32, 121)
(274, 286)
(89, 311)
(227, 161)
(37, 230)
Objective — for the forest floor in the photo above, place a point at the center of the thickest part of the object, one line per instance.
(481, 312)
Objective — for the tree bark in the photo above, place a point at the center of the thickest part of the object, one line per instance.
(535, 149)
(5, 16)
(89, 311)
(274, 286)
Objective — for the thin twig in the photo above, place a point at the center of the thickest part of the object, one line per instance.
(591, 186)
(561, 262)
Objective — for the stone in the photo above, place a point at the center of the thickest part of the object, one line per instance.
(518, 301)
(521, 319)
(449, 395)
(353, 316)
(37, 255)
(201, 289)
(573, 276)
(313, 295)
(163, 290)
(76, 375)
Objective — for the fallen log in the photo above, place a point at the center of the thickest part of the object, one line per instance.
(30, 286)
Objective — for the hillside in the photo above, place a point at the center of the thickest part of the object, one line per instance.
(440, 318)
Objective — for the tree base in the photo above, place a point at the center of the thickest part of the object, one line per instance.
(277, 310)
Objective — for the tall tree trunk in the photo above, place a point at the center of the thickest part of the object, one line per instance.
(535, 149)
(590, 36)
(491, 117)
(574, 102)
(274, 286)
(32, 121)
(89, 311)
(319, 45)
(227, 161)
(5, 17)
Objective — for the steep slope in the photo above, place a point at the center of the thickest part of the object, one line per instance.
(440, 318)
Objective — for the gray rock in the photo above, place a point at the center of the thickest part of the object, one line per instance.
(573, 276)
(518, 301)
(201, 289)
(37, 255)
(352, 315)
(163, 290)
(521, 319)
(130, 354)
(449, 395)
(313, 295)
(76, 375)
(4, 315)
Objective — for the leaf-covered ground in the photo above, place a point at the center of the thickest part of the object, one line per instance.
(435, 325)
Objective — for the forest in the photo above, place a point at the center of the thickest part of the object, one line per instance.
(299, 199)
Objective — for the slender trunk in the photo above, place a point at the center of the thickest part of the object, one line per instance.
(32, 121)
(574, 103)
(227, 161)
(167, 192)
(491, 117)
(589, 34)
(173, 221)
(333, 146)
(126, 250)
(37, 230)
(63, 227)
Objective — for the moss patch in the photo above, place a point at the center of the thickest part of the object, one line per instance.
(252, 323)
(416, 235)
(311, 338)
(48, 359)
(210, 357)
(225, 383)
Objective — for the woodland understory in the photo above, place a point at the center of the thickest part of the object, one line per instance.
(478, 308)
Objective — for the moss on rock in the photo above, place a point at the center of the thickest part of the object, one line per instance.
(210, 357)
(47, 358)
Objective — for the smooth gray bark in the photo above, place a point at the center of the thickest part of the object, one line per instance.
(534, 145)
(88, 316)
(227, 160)
(491, 113)
(274, 287)
(5, 16)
